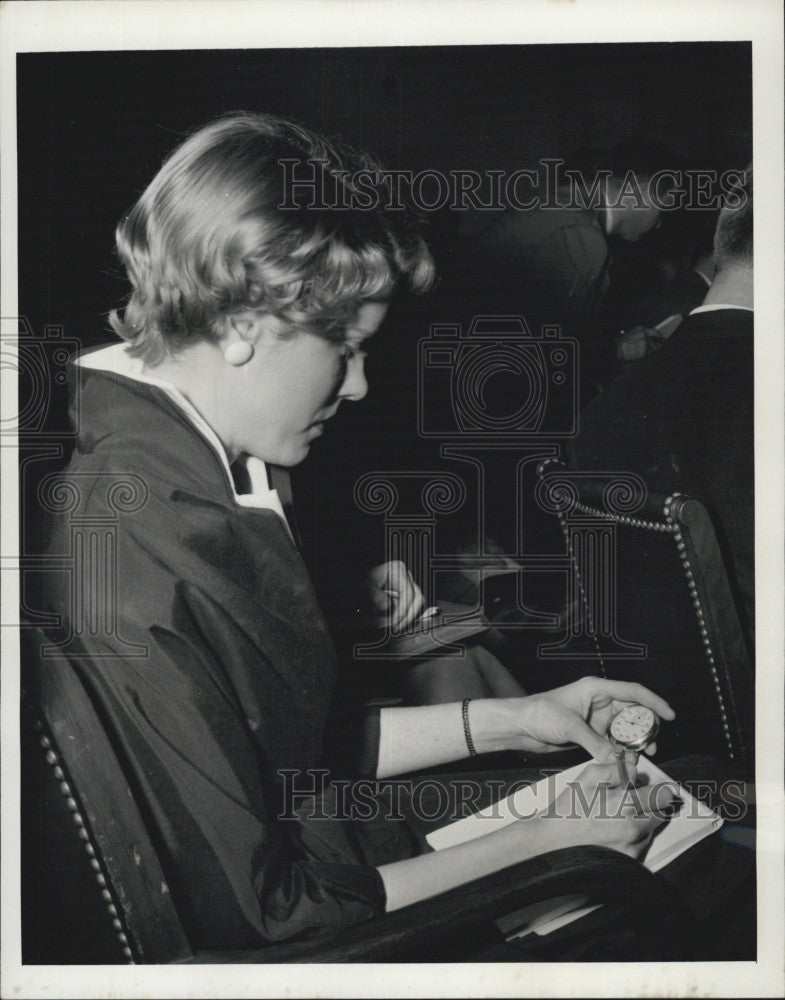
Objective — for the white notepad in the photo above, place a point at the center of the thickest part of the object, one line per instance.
(691, 824)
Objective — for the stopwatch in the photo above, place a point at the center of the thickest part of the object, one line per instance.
(630, 731)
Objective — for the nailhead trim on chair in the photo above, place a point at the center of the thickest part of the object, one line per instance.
(84, 835)
(595, 640)
(696, 601)
(672, 527)
(632, 522)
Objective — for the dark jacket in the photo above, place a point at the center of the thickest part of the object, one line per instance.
(684, 419)
(212, 667)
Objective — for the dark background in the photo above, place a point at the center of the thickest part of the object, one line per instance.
(93, 128)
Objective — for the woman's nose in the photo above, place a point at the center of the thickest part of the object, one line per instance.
(355, 384)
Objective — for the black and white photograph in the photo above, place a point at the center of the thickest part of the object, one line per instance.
(392, 591)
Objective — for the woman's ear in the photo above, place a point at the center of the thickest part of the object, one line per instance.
(240, 334)
(242, 324)
(246, 332)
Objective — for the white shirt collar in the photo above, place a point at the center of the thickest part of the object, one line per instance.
(115, 358)
(712, 307)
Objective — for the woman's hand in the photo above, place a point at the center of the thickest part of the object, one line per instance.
(595, 809)
(577, 713)
(394, 594)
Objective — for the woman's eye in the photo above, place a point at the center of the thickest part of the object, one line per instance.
(349, 351)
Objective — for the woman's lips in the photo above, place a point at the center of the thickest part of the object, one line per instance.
(318, 425)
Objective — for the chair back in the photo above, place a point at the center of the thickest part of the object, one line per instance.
(81, 767)
(650, 600)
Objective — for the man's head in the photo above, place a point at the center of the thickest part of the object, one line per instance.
(733, 236)
(642, 172)
(733, 255)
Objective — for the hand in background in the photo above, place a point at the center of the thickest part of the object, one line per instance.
(637, 342)
(394, 594)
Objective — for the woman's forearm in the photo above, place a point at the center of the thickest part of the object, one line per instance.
(427, 875)
(608, 818)
(428, 735)
(579, 713)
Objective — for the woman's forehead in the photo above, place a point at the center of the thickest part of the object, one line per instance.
(368, 318)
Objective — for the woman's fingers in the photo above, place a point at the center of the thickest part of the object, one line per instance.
(405, 597)
(579, 731)
(653, 803)
(613, 813)
(382, 601)
(395, 595)
(629, 691)
(381, 592)
(408, 605)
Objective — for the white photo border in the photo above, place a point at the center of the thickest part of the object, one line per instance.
(204, 24)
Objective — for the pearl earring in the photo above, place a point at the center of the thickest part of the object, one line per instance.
(238, 353)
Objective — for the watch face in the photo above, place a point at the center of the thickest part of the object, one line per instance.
(634, 726)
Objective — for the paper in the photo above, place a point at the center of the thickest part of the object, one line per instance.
(691, 824)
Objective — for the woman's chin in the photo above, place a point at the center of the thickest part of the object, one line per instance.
(294, 454)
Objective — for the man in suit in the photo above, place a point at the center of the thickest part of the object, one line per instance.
(683, 418)
(650, 318)
(549, 257)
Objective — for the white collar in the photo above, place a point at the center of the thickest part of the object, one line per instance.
(713, 306)
(115, 358)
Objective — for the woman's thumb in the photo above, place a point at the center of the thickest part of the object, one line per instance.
(581, 732)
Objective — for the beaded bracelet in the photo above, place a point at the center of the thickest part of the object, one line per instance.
(466, 730)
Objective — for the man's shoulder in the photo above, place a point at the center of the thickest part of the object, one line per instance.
(616, 425)
(708, 344)
(704, 337)
(731, 320)
(707, 359)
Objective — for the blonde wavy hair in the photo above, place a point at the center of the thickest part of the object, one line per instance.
(209, 238)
